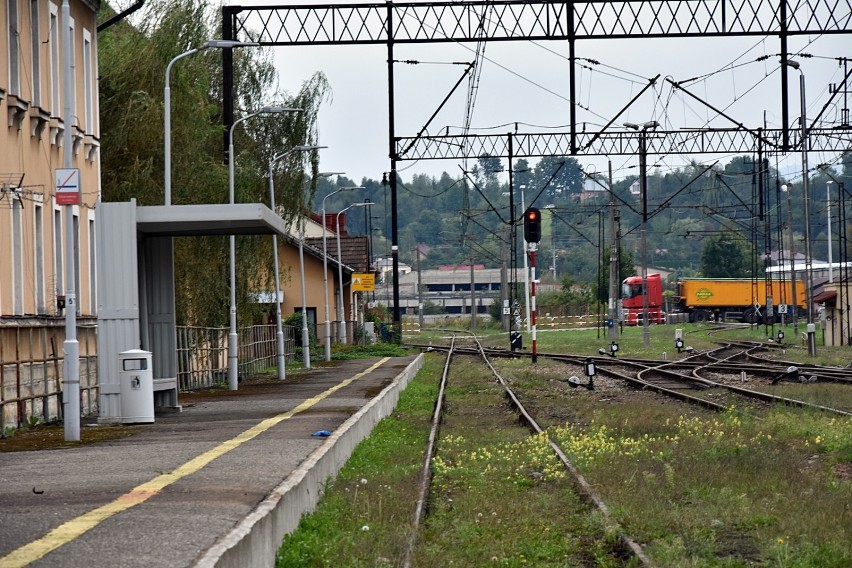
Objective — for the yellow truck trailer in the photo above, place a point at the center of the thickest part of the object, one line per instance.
(703, 297)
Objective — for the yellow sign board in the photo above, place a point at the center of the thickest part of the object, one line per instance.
(365, 282)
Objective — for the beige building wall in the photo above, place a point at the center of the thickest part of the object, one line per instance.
(32, 225)
(291, 283)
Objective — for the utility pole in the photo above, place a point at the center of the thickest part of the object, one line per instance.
(419, 290)
(504, 282)
(472, 293)
(643, 189)
(613, 259)
(795, 301)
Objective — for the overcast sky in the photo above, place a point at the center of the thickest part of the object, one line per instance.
(527, 83)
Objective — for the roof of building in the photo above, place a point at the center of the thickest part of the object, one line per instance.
(353, 250)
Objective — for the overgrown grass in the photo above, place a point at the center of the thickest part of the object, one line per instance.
(722, 490)
(498, 497)
(359, 520)
(343, 352)
(695, 488)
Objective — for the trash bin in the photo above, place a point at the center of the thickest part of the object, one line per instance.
(136, 384)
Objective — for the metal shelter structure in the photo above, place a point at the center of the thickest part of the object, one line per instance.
(393, 23)
(136, 295)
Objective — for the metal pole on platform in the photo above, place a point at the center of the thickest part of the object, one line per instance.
(71, 347)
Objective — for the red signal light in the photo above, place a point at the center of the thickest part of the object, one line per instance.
(532, 225)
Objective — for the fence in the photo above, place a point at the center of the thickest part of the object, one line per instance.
(31, 363)
(556, 323)
(203, 353)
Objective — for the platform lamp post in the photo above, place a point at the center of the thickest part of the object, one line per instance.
(167, 102)
(233, 346)
(306, 337)
(327, 339)
(795, 302)
(806, 195)
(341, 324)
(279, 331)
(551, 206)
(643, 129)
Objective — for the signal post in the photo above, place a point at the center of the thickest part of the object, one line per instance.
(532, 235)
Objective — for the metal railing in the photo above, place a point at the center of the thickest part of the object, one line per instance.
(203, 353)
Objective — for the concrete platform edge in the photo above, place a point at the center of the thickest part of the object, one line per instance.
(255, 541)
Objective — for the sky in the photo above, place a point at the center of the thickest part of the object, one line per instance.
(526, 83)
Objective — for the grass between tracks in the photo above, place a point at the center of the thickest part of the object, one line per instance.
(694, 488)
(498, 498)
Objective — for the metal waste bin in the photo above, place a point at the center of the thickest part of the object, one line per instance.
(136, 383)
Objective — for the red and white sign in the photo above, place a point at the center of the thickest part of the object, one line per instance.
(68, 186)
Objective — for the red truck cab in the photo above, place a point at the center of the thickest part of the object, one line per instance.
(631, 299)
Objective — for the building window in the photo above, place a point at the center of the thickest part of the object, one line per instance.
(58, 267)
(38, 229)
(14, 48)
(93, 292)
(55, 77)
(73, 120)
(17, 256)
(35, 42)
(77, 278)
(88, 80)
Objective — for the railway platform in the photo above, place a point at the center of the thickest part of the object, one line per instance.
(218, 484)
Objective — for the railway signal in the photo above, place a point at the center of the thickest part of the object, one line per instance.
(532, 225)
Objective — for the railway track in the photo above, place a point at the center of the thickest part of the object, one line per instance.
(582, 486)
(689, 379)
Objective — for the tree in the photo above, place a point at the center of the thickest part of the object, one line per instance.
(726, 256)
(560, 178)
(131, 76)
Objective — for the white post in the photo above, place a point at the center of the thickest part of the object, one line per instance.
(828, 212)
(233, 347)
(279, 330)
(306, 338)
(325, 272)
(71, 347)
(341, 324)
(167, 111)
(167, 103)
(526, 270)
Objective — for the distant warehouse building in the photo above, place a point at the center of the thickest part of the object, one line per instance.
(449, 288)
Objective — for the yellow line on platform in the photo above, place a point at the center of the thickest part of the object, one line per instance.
(76, 527)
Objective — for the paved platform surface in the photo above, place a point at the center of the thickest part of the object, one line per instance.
(209, 486)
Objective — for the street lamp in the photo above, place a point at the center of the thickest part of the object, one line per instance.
(807, 199)
(795, 302)
(341, 325)
(306, 338)
(167, 101)
(643, 190)
(828, 227)
(233, 362)
(551, 206)
(279, 332)
(327, 338)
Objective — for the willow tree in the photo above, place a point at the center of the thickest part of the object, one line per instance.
(132, 63)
